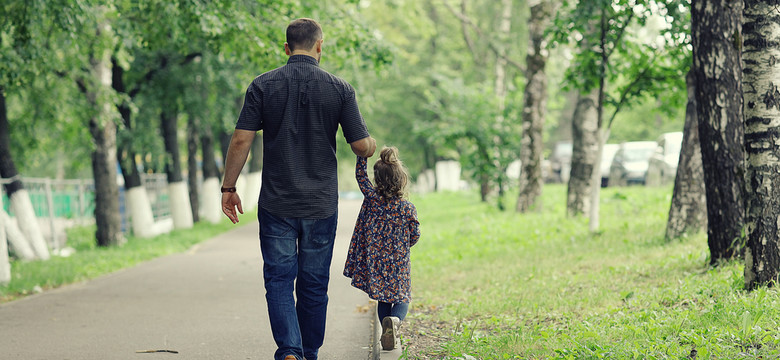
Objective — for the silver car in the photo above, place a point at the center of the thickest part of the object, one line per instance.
(662, 167)
(630, 163)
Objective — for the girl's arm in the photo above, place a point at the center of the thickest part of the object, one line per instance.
(362, 177)
(414, 227)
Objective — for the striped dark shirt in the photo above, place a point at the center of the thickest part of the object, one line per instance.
(299, 107)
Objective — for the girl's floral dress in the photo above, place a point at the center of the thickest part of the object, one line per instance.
(378, 258)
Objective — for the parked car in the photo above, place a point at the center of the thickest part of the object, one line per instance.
(630, 163)
(560, 161)
(663, 164)
(606, 161)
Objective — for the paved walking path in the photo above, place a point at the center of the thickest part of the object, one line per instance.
(208, 303)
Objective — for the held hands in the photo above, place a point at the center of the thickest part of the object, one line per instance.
(371, 148)
(364, 147)
(231, 201)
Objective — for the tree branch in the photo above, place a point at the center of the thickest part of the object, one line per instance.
(622, 31)
(466, 36)
(627, 90)
(466, 20)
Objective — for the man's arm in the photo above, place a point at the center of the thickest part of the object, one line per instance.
(236, 158)
(364, 147)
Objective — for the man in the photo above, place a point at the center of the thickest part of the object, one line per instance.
(299, 107)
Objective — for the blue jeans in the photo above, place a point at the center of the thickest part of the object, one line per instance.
(384, 310)
(297, 248)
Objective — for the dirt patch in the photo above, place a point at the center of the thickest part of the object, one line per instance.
(423, 334)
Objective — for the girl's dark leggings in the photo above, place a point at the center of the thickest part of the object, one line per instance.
(399, 310)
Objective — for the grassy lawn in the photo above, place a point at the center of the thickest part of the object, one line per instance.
(501, 285)
(90, 261)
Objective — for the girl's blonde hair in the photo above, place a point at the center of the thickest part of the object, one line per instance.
(390, 174)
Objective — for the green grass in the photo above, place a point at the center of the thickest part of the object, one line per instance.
(541, 286)
(91, 261)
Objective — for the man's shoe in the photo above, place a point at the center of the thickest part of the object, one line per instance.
(389, 332)
(290, 357)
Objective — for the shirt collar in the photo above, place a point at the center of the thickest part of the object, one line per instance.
(302, 58)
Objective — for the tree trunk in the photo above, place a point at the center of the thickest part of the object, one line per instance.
(761, 97)
(584, 152)
(602, 135)
(126, 154)
(534, 108)
(5, 266)
(504, 31)
(104, 156)
(254, 178)
(717, 39)
(31, 236)
(687, 212)
(211, 209)
(177, 188)
(192, 165)
(137, 200)
(256, 161)
(7, 165)
(224, 143)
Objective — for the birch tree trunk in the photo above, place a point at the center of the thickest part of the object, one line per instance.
(584, 152)
(534, 107)
(716, 32)
(687, 214)
(761, 95)
(103, 130)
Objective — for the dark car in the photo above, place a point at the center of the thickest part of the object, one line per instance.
(629, 166)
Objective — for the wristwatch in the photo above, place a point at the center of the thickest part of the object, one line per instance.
(228, 189)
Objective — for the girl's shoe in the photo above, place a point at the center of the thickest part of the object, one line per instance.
(389, 332)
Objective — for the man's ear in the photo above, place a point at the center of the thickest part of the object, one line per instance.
(287, 49)
(318, 46)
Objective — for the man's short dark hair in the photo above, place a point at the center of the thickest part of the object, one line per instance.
(303, 34)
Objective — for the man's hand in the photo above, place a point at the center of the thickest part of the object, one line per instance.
(364, 147)
(231, 201)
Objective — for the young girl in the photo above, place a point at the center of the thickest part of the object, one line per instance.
(378, 258)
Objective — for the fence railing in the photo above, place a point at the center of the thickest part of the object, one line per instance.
(63, 203)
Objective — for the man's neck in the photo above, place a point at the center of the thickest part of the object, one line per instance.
(301, 52)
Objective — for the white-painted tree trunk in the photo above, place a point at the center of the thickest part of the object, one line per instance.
(447, 175)
(431, 182)
(140, 209)
(5, 266)
(28, 223)
(211, 198)
(16, 240)
(181, 212)
(253, 182)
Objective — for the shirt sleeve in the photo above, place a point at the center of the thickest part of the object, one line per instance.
(251, 116)
(362, 178)
(352, 123)
(414, 226)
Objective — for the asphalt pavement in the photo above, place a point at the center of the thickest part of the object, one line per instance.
(207, 303)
